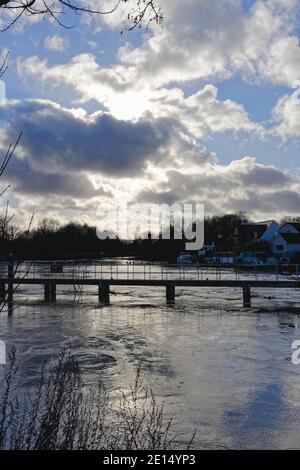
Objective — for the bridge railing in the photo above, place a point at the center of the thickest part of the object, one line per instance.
(143, 271)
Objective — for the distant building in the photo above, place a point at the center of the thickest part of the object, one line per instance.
(260, 231)
(286, 244)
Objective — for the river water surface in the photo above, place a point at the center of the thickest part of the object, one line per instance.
(221, 369)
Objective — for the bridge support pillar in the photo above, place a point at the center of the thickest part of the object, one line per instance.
(246, 297)
(104, 294)
(170, 293)
(10, 288)
(10, 300)
(47, 292)
(2, 291)
(52, 292)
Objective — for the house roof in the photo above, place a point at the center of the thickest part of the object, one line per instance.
(291, 238)
(296, 225)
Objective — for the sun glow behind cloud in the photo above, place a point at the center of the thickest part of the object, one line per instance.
(130, 105)
(170, 86)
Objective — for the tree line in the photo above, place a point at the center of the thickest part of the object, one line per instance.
(75, 240)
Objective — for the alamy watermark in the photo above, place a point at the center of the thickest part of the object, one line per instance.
(2, 91)
(144, 221)
(2, 353)
(296, 95)
(296, 353)
(2, 343)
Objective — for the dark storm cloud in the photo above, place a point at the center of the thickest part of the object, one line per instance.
(266, 176)
(285, 202)
(242, 185)
(27, 181)
(151, 197)
(245, 173)
(55, 140)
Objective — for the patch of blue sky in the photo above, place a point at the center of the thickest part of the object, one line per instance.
(246, 5)
(271, 151)
(258, 100)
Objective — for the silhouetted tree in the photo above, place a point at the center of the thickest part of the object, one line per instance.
(48, 226)
(221, 229)
(289, 219)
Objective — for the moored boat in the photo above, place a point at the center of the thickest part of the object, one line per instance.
(186, 259)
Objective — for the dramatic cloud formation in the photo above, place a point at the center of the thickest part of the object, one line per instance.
(142, 120)
(203, 39)
(244, 185)
(26, 180)
(201, 112)
(260, 46)
(58, 139)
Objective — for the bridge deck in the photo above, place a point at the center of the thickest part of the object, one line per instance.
(295, 284)
(103, 275)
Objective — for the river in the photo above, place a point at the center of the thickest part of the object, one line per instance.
(221, 369)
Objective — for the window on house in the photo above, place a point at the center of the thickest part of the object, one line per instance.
(279, 247)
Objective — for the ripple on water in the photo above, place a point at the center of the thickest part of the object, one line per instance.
(94, 362)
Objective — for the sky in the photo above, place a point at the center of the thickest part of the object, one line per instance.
(204, 108)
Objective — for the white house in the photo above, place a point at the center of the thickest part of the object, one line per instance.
(259, 231)
(285, 244)
(290, 227)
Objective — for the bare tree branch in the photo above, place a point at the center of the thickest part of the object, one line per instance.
(4, 66)
(9, 153)
(141, 10)
(137, 17)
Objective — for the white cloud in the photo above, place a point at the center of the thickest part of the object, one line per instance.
(207, 40)
(56, 139)
(263, 191)
(57, 43)
(82, 160)
(286, 116)
(215, 39)
(201, 113)
(200, 40)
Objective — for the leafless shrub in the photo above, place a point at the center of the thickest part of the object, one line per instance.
(62, 414)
